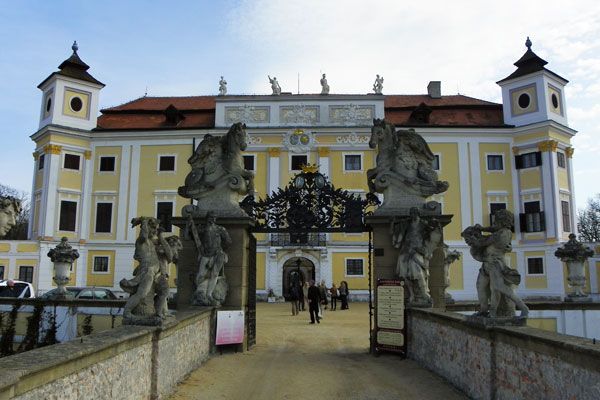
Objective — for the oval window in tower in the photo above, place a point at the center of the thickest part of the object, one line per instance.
(554, 99)
(524, 100)
(76, 104)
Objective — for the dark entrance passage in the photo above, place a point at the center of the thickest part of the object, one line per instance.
(296, 270)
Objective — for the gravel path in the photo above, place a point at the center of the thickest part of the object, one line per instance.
(295, 360)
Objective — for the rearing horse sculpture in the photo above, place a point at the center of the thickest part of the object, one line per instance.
(218, 176)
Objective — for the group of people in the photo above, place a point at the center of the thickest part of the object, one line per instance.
(317, 297)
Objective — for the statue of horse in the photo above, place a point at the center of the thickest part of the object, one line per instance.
(218, 172)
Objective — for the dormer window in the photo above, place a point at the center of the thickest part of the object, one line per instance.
(173, 115)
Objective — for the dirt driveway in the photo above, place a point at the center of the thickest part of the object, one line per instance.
(295, 360)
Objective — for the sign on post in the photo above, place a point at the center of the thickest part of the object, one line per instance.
(230, 327)
(390, 322)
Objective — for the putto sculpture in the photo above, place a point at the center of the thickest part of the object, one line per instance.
(417, 238)
(149, 289)
(496, 280)
(404, 168)
(575, 254)
(324, 85)
(274, 86)
(211, 241)
(378, 85)
(218, 177)
(222, 87)
(449, 257)
(10, 208)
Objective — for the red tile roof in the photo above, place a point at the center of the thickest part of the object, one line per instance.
(148, 113)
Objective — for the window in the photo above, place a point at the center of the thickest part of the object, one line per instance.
(249, 163)
(352, 162)
(103, 217)
(72, 162)
(26, 273)
(100, 264)
(535, 266)
(297, 162)
(1, 272)
(524, 100)
(166, 163)
(560, 158)
(68, 216)
(436, 162)
(495, 162)
(354, 267)
(164, 212)
(528, 160)
(533, 219)
(495, 207)
(76, 104)
(566, 216)
(107, 164)
(41, 161)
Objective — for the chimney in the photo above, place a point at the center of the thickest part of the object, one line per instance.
(434, 89)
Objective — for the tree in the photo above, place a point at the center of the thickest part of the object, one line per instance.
(19, 231)
(588, 221)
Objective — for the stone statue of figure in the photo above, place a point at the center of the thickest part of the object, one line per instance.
(378, 85)
(404, 167)
(149, 287)
(274, 85)
(211, 242)
(324, 85)
(222, 87)
(417, 238)
(10, 208)
(495, 281)
(218, 177)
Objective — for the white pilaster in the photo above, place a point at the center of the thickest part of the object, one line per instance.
(86, 198)
(32, 200)
(572, 194)
(133, 177)
(476, 194)
(324, 165)
(273, 172)
(548, 195)
(124, 174)
(465, 187)
(51, 194)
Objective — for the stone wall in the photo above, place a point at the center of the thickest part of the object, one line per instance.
(504, 362)
(128, 362)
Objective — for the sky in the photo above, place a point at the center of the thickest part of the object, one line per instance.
(179, 48)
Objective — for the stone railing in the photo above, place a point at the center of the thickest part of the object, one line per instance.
(128, 362)
(504, 362)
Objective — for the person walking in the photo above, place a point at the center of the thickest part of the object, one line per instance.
(333, 290)
(344, 292)
(314, 297)
(295, 298)
(323, 294)
(304, 295)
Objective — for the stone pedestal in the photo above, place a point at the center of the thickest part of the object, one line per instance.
(487, 322)
(385, 257)
(236, 270)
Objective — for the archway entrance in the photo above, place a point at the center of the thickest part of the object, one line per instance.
(296, 270)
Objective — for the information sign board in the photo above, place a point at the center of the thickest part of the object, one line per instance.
(230, 327)
(390, 317)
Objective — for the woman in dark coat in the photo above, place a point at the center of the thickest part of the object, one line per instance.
(344, 292)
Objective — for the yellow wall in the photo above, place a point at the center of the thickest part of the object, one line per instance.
(536, 281)
(456, 275)
(563, 178)
(99, 323)
(107, 180)
(530, 178)
(4, 247)
(339, 270)
(27, 247)
(449, 172)
(495, 180)
(100, 279)
(355, 180)
(547, 324)
(71, 179)
(261, 267)
(26, 262)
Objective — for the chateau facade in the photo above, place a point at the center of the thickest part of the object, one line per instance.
(94, 173)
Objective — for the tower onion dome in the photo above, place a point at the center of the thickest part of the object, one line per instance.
(528, 64)
(74, 67)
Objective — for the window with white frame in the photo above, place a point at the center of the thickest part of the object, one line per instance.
(107, 164)
(1, 272)
(72, 161)
(297, 161)
(249, 162)
(535, 266)
(495, 162)
(68, 216)
(436, 162)
(166, 163)
(352, 162)
(101, 264)
(41, 160)
(26, 273)
(566, 216)
(103, 217)
(560, 159)
(355, 267)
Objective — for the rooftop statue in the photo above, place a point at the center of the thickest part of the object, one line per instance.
(10, 208)
(378, 85)
(222, 87)
(324, 85)
(404, 168)
(274, 85)
(495, 281)
(218, 176)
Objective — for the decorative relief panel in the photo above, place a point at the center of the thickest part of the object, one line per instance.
(352, 114)
(254, 139)
(352, 139)
(247, 114)
(299, 141)
(299, 114)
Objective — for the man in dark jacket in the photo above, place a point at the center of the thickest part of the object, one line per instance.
(314, 297)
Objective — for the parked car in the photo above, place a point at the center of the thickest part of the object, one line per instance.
(22, 290)
(92, 293)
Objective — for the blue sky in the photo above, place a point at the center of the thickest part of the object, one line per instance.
(181, 48)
